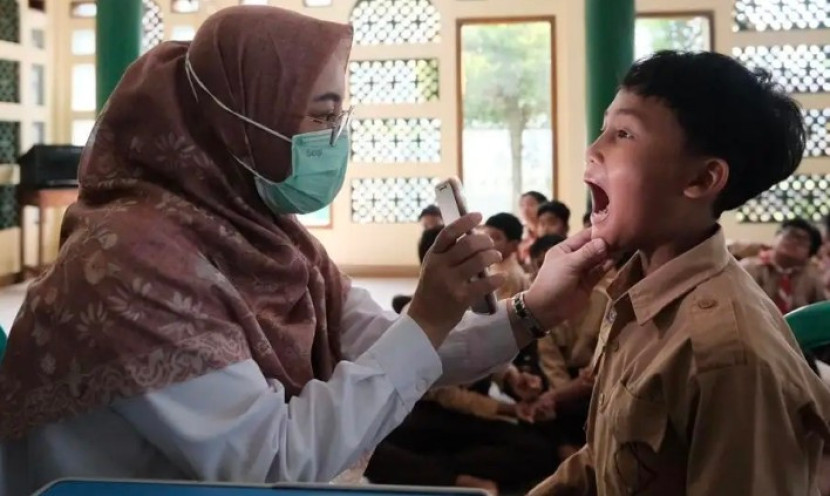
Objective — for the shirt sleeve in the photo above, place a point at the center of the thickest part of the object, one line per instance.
(574, 477)
(477, 347)
(552, 362)
(463, 400)
(755, 426)
(234, 425)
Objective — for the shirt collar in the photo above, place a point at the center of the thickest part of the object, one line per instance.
(650, 295)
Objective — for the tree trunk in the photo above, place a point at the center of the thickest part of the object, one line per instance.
(516, 127)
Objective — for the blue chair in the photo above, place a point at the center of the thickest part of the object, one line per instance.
(811, 325)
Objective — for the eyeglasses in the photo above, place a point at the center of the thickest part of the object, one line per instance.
(338, 124)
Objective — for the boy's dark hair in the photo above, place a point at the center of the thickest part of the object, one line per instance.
(809, 228)
(557, 209)
(430, 210)
(399, 302)
(545, 243)
(428, 238)
(729, 112)
(509, 224)
(539, 197)
(827, 226)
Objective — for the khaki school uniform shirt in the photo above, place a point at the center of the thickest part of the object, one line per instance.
(700, 390)
(571, 344)
(807, 285)
(516, 278)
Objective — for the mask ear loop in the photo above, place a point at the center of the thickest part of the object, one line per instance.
(188, 70)
(192, 73)
(191, 76)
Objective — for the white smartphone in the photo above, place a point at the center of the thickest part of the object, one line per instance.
(450, 199)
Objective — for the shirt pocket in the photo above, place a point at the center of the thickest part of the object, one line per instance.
(638, 427)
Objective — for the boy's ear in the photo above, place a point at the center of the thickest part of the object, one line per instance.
(709, 180)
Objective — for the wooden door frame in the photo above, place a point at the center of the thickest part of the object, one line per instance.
(459, 24)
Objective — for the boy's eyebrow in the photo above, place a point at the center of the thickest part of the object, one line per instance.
(628, 111)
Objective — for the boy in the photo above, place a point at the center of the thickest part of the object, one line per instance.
(554, 217)
(699, 388)
(529, 208)
(539, 249)
(506, 232)
(430, 218)
(786, 272)
(824, 256)
(401, 302)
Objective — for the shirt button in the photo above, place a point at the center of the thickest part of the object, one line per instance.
(601, 399)
(615, 346)
(707, 303)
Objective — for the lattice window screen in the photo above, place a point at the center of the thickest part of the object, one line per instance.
(780, 15)
(9, 142)
(9, 21)
(818, 128)
(800, 195)
(393, 81)
(152, 25)
(9, 81)
(391, 200)
(799, 69)
(395, 22)
(396, 140)
(8, 206)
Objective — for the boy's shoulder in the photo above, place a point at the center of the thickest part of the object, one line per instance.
(730, 321)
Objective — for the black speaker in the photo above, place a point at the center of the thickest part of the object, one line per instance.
(50, 166)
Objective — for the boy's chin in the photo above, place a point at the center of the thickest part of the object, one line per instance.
(611, 239)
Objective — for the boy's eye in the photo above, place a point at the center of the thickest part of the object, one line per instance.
(623, 134)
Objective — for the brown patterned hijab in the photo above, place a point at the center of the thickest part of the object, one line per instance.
(171, 267)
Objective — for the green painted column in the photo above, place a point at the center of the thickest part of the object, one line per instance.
(609, 50)
(117, 43)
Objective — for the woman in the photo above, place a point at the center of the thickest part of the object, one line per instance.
(191, 328)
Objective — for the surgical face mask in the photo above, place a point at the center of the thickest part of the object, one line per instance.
(318, 161)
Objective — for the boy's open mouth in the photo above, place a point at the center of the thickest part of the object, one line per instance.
(600, 203)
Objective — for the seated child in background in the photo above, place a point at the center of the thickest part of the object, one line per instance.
(824, 256)
(539, 249)
(506, 232)
(431, 218)
(586, 220)
(786, 273)
(529, 208)
(428, 237)
(554, 217)
(700, 388)
(746, 249)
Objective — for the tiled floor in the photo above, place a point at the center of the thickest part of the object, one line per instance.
(382, 290)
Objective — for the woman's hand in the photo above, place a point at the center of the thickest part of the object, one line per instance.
(449, 283)
(564, 283)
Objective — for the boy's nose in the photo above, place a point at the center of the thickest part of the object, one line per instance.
(593, 155)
